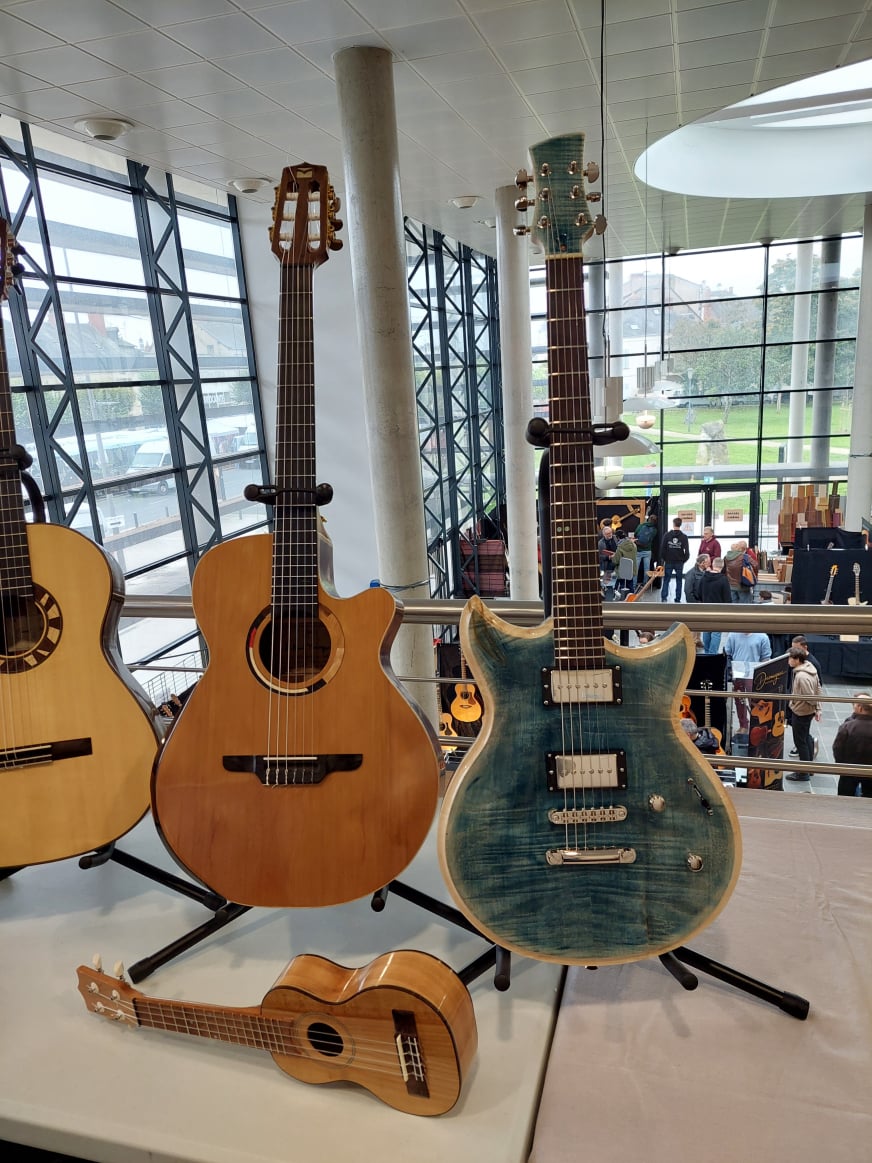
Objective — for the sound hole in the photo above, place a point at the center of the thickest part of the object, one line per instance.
(294, 651)
(29, 631)
(325, 1039)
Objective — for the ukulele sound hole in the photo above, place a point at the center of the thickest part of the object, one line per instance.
(30, 629)
(295, 654)
(325, 1040)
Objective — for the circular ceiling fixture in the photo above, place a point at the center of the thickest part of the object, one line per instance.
(104, 128)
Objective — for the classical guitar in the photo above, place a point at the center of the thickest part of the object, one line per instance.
(855, 600)
(652, 577)
(298, 772)
(826, 600)
(465, 706)
(403, 1026)
(77, 735)
(583, 826)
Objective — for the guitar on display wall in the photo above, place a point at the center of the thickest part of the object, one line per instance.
(77, 734)
(298, 773)
(583, 826)
(403, 1026)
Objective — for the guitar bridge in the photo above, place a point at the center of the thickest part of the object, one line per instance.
(40, 754)
(581, 686)
(291, 770)
(591, 856)
(409, 1053)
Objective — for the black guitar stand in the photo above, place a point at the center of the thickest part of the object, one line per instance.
(677, 960)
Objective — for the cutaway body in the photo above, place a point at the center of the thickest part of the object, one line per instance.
(626, 871)
(342, 770)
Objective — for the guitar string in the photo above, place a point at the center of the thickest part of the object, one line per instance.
(274, 1035)
(16, 724)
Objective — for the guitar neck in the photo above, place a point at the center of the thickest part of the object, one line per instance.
(295, 566)
(15, 574)
(576, 597)
(243, 1027)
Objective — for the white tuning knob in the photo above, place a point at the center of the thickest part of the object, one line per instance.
(97, 962)
(118, 969)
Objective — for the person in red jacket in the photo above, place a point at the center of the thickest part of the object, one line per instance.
(710, 543)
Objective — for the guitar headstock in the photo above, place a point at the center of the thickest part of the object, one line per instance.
(110, 997)
(856, 568)
(10, 268)
(562, 217)
(304, 217)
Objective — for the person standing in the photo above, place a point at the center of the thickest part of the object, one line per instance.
(625, 565)
(606, 547)
(736, 560)
(714, 588)
(805, 688)
(801, 642)
(646, 543)
(744, 651)
(710, 543)
(674, 550)
(853, 744)
(694, 578)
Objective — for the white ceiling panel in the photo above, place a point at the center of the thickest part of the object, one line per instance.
(218, 89)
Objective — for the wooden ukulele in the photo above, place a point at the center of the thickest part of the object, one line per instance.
(298, 773)
(77, 734)
(465, 707)
(652, 577)
(826, 600)
(855, 600)
(403, 1026)
(563, 835)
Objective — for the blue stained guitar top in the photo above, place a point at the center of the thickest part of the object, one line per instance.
(494, 830)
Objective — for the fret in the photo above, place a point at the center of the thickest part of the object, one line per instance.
(238, 1027)
(15, 573)
(576, 596)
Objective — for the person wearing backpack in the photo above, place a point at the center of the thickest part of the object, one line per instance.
(646, 540)
(740, 566)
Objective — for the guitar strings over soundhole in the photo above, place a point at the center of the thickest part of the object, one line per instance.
(294, 654)
(30, 631)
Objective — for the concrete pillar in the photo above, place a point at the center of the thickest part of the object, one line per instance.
(517, 372)
(799, 355)
(858, 504)
(825, 357)
(374, 231)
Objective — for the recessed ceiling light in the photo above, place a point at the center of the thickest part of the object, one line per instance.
(466, 201)
(249, 185)
(104, 128)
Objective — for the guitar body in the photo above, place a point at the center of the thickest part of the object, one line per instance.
(494, 828)
(62, 683)
(355, 1005)
(299, 843)
(465, 707)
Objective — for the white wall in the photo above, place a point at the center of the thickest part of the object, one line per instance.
(341, 453)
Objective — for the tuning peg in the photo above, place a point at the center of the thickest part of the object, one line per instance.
(335, 244)
(591, 171)
(523, 204)
(600, 224)
(97, 962)
(594, 197)
(522, 179)
(118, 970)
(337, 223)
(520, 231)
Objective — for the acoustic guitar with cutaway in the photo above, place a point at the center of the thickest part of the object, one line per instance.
(298, 773)
(403, 1026)
(465, 706)
(582, 826)
(77, 734)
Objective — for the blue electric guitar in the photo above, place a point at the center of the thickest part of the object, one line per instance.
(582, 826)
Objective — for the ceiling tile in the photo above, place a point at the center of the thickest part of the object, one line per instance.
(168, 114)
(271, 68)
(628, 36)
(322, 52)
(737, 72)
(543, 51)
(54, 104)
(636, 88)
(645, 63)
(558, 100)
(809, 35)
(121, 91)
(722, 20)
(168, 12)
(556, 77)
(14, 81)
(236, 103)
(307, 20)
(16, 36)
(525, 21)
(430, 40)
(61, 66)
(453, 66)
(303, 94)
(224, 36)
(139, 51)
(395, 13)
(78, 20)
(191, 80)
(703, 101)
(799, 64)
(793, 11)
(719, 50)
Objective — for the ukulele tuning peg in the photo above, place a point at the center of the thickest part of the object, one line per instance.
(97, 962)
(118, 970)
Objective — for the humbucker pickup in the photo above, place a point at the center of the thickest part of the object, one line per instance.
(586, 770)
(581, 686)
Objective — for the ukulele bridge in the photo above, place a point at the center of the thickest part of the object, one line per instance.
(291, 770)
(581, 686)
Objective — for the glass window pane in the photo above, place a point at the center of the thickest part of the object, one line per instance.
(219, 335)
(108, 333)
(209, 256)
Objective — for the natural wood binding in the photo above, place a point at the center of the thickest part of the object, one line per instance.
(402, 1026)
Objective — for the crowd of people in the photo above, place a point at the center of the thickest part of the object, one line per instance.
(627, 560)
